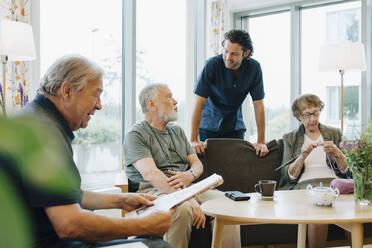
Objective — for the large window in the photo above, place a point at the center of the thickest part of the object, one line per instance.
(332, 24)
(92, 28)
(161, 49)
(271, 42)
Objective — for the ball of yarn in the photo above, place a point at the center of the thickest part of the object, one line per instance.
(345, 186)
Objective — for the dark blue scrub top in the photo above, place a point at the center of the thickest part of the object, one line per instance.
(222, 112)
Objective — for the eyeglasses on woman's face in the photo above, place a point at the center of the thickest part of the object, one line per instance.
(306, 115)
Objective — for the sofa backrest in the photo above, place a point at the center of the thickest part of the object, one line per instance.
(236, 161)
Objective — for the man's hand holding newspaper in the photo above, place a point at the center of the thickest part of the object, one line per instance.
(165, 203)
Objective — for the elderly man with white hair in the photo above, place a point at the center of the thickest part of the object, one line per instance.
(69, 95)
(159, 160)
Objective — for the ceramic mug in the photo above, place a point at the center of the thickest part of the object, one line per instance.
(265, 187)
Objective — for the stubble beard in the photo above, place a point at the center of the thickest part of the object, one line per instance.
(232, 65)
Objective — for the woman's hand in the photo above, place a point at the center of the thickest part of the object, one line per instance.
(295, 168)
(307, 149)
(330, 148)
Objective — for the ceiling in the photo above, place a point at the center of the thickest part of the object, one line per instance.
(242, 5)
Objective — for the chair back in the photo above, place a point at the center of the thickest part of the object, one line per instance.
(236, 161)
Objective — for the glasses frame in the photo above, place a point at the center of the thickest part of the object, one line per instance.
(307, 116)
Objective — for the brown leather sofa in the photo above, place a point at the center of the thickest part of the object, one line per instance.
(235, 160)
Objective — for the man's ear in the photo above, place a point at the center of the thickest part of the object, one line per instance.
(246, 53)
(66, 90)
(150, 104)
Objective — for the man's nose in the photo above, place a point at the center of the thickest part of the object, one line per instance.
(175, 102)
(98, 104)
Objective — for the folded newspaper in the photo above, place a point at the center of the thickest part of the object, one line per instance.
(171, 200)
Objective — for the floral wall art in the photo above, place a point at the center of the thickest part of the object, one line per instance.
(17, 73)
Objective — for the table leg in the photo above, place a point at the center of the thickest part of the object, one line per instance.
(217, 233)
(357, 235)
(301, 236)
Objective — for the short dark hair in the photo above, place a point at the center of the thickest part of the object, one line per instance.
(241, 37)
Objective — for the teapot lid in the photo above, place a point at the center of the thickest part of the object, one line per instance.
(321, 188)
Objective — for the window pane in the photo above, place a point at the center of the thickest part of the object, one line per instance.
(97, 34)
(161, 49)
(331, 25)
(271, 42)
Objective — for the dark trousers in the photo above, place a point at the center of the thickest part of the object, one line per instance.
(204, 134)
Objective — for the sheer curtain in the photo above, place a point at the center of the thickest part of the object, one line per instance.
(17, 73)
(218, 25)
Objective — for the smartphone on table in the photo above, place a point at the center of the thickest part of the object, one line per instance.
(237, 196)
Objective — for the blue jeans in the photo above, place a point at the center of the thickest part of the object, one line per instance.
(204, 134)
(152, 242)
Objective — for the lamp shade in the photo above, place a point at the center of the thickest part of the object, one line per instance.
(16, 41)
(344, 56)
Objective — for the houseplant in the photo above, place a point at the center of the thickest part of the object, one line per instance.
(359, 160)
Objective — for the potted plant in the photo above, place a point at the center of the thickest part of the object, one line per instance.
(359, 160)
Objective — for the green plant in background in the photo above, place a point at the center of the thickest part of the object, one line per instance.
(359, 160)
(99, 131)
(351, 102)
(277, 123)
(29, 152)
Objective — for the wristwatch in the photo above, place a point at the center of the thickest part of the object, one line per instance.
(193, 173)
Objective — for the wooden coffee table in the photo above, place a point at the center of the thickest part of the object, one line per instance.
(288, 207)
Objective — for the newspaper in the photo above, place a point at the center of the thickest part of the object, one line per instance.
(171, 200)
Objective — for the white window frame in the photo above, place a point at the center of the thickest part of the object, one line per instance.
(195, 53)
(195, 56)
(294, 8)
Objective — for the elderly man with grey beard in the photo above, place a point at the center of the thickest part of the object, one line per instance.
(159, 160)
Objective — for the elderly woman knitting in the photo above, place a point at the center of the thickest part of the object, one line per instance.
(311, 156)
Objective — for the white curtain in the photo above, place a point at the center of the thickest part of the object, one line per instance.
(218, 25)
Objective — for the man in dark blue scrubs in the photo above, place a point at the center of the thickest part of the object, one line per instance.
(222, 86)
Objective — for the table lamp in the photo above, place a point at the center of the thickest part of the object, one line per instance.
(16, 44)
(341, 57)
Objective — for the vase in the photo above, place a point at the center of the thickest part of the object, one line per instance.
(362, 186)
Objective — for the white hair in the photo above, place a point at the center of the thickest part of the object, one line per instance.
(75, 69)
(148, 93)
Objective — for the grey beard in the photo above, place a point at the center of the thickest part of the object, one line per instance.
(171, 117)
